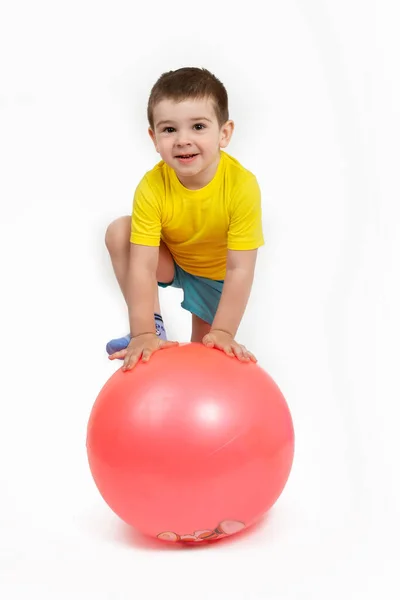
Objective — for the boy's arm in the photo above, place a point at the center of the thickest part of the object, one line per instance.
(143, 259)
(236, 290)
(245, 236)
(141, 288)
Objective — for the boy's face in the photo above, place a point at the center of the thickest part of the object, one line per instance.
(188, 138)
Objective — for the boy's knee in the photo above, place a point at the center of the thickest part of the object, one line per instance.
(118, 233)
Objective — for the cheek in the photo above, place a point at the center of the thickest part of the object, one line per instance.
(164, 145)
(212, 142)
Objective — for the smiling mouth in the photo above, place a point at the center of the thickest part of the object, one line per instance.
(185, 155)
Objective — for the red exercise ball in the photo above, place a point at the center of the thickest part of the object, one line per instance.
(191, 446)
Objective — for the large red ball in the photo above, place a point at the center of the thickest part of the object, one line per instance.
(192, 445)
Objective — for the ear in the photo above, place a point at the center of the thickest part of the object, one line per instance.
(153, 138)
(226, 133)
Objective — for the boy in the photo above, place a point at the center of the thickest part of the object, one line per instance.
(195, 223)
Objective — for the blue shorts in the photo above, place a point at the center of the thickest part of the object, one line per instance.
(201, 296)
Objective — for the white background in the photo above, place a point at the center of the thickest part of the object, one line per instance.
(315, 94)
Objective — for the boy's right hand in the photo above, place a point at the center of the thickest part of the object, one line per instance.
(141, 347)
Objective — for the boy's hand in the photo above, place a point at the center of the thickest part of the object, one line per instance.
(225, 342)
(141, 347)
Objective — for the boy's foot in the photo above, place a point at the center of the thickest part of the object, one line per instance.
(121, 343)
(118, 344)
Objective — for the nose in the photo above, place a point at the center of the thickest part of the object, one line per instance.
(183, 139)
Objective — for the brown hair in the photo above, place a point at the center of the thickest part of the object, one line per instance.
(189, 82)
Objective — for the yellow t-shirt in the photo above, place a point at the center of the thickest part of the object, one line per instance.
(199, 226)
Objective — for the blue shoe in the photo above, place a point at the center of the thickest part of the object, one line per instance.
(118, 344)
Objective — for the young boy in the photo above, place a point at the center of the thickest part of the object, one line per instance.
(195, 223)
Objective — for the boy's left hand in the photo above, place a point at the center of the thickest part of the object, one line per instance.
(225, 342)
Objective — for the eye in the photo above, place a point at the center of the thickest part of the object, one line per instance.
(199, 126)
(168, 129)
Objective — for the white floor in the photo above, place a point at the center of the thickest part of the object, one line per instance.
(314, 91)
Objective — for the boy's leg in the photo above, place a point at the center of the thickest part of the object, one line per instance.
(201, 297)
(200, 328)
(118, 245)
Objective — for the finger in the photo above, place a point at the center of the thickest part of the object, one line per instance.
(207, 341)
(130, 361)
(240, 352)
(119, 354)
(129, 365)
(168, 344)
(228, 350)
(147, 352)
(248, 355)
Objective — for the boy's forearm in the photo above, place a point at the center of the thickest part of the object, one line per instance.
(234, 298)
(141, 288)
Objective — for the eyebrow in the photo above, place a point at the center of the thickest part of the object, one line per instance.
(192, 119)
